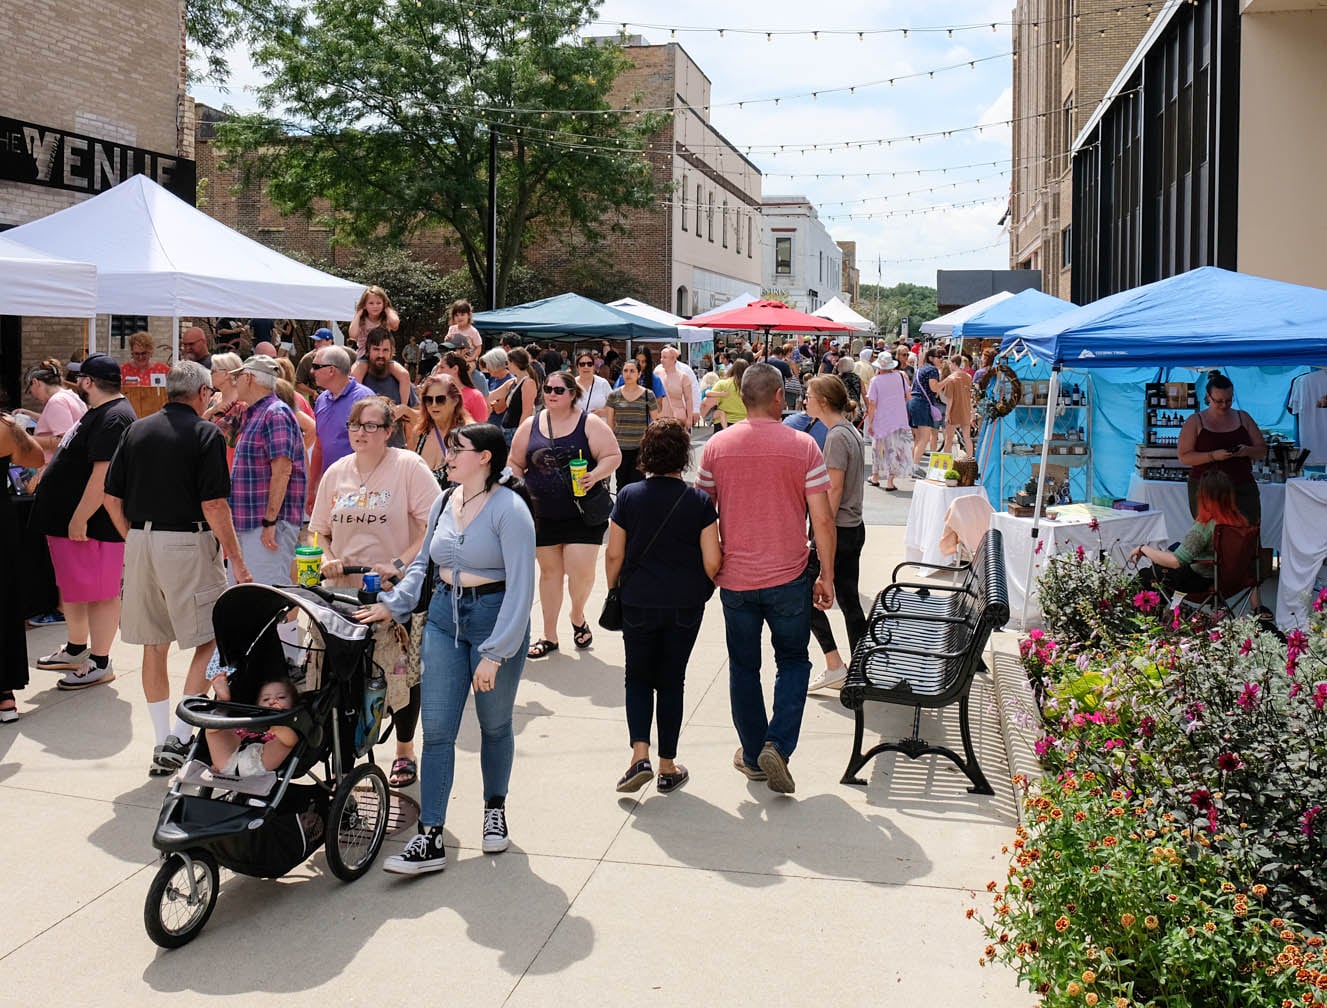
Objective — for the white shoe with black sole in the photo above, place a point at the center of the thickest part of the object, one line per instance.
(85, 676)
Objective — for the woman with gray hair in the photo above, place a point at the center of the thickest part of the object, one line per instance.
(494, 366)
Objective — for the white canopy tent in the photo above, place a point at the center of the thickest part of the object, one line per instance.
(35, 283)
(741, 301)
(685, 334)
(157, 255)
(837, 310)
(944, 325)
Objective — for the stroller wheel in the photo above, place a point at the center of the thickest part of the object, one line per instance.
(357, 822)
(181, 898)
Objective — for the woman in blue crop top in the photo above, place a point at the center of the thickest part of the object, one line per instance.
(481, 540)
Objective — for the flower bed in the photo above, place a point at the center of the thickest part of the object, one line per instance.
(1175, 852)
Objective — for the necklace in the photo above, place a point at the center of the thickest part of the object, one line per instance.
(366, 480)
(467, 500)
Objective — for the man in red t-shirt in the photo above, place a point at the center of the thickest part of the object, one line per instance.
(764, 478)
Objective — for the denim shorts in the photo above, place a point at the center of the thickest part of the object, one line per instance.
(919, 413)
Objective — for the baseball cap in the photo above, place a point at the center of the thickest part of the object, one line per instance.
(97, 365)
(456, 343)
(322, 334)
(259, 364)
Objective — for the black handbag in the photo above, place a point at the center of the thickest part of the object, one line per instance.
(596, 506)
(431, 575)
(610, 617)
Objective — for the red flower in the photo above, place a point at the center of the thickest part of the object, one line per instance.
(1249, 698)
(1306, 820)
(1228, 761)
(1095, 526)
(1246, 646)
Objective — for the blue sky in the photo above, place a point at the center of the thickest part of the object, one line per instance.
(747, 67)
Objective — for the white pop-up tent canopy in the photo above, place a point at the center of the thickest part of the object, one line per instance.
(741, 301)
(157, 255)
(685, 334)
(836, 310)
(944, 325)
(35, 283)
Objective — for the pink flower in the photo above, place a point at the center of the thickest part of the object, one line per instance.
(1175, 621)
(1296, 639)
(1320, 695)
(1094, 525)
(1306, 820)
(1320, 601)
(1039, 547)
(1296, 689)
(1112, 743)
(1201, 799)
(1249, 698)
(1080, 553)
(1146, 601)
(1246, 646)
(1043, 745)
(1214, 635)
(1147, 726)
(1036, 634)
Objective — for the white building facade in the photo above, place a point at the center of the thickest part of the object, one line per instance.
(801, 262)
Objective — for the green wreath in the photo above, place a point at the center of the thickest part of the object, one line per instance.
(999, 393)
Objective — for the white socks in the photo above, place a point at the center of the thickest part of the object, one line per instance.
(183, 731)
(160, 711)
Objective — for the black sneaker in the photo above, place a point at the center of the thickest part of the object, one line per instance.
(424, 853)
(171, 754)
(636, 777)
(495, 830)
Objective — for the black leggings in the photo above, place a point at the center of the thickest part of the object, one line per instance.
(847, 572)
(627, 473)
(407, 717)
(658, 646)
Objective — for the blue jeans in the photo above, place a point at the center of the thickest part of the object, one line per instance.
(787, 610)
(449, 659)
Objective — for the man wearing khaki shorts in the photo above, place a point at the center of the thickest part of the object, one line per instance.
(167, 491)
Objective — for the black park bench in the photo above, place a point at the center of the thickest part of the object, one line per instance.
(923, 647)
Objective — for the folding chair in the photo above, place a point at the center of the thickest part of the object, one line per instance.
(1236, 572)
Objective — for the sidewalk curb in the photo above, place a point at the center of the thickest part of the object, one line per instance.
(1017, 710)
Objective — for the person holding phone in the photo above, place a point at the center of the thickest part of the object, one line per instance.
(1223, 439)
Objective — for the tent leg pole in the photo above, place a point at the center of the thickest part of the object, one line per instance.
(1052, 400)
(175, 339)
(91, 340)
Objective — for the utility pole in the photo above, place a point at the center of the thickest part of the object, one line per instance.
(879, 279)
(492, 236)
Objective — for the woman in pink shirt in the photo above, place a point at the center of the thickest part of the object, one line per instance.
(887, 422)
(61, 408)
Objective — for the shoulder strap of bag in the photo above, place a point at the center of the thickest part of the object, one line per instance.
(622, 575)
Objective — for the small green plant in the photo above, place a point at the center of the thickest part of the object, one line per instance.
(952, 474)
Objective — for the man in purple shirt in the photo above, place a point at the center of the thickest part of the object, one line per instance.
(267, 481)
(331, 371)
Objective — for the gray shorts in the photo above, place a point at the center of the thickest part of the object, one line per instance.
(266, 566)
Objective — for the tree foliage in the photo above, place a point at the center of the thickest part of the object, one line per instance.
(213, 26)
(886, 305)
(379, 111)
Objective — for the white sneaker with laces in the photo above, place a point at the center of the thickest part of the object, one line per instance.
(424, 853)
(86, 675)
(61, 660)
(495, 831)
(830, 679)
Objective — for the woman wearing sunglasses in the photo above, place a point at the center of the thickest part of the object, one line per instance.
(443, 399)
(594, 390)
(565, 546)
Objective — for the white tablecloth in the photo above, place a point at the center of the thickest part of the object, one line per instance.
(926, 520)
(1173, 500)
(1117, 535)
(1303, 550)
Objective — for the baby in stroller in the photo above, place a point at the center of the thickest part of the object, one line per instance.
(239, 752)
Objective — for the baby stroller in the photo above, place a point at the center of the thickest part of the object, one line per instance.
(345, 808)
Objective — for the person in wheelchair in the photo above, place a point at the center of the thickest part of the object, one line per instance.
(240, 752)
(1190, 565)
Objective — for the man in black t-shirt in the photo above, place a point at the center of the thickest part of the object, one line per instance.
(87, 551)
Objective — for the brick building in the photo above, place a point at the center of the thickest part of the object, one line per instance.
(86, 99)
(1068, 54)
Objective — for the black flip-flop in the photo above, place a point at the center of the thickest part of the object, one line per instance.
(891, 489)
(541, 649)
(404, 772)
(582, 636)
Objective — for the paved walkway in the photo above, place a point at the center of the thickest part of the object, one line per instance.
(720, 894)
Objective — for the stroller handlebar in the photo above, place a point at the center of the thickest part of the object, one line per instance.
(344, 600)
(204, 713)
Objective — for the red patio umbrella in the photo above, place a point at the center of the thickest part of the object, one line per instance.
(769, 316)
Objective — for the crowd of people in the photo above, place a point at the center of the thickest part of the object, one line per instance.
(479, 477)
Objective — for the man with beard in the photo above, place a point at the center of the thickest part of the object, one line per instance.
(193, 346)
(378, 378)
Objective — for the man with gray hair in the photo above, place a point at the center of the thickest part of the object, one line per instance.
(267, 481)
(167, 490)
(764, 478)
(331, 371)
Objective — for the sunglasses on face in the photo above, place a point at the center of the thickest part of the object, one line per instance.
(320, 367)
(367, 428)
(435, 400)
(555, 390)
(585, 363)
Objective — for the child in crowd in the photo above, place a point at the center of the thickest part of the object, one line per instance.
(373, 310)
(244, 753)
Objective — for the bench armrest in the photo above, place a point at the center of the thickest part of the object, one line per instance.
(930, 566)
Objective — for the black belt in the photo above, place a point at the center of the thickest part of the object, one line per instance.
(491, 588)
(152, 526)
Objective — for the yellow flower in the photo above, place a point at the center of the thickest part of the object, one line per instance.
(1062, 923)
(1227, 887)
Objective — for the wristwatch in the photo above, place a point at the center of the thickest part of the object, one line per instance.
(270, 524)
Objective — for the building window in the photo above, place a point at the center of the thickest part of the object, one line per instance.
(737, 229)
(698, 205)
(1066, 247)
(683, 194)
(1068, 127)
(709, 217)
(682, 302)
(750, 243)
(124, 326)
(821, 276)
(725, 223)
(783, 256)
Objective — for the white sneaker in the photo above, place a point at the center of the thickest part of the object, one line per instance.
(86, 675)
(830, 679)
(61, 660)
(424, 853)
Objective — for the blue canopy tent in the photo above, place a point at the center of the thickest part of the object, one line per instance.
(571, 316)
(1205, 318)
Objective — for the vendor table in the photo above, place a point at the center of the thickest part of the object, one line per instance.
(1172, 499)
(1117, 534)
(926, 520)
(1303, 549)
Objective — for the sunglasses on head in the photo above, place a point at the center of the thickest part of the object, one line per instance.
(556, 390)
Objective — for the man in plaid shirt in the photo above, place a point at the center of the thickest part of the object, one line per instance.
(267, 478)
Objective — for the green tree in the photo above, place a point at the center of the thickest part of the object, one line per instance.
(886, 305)
(213, 26)
(380, 110)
